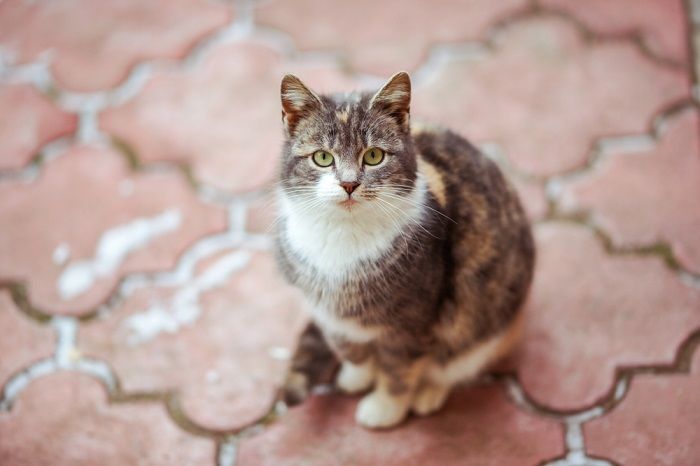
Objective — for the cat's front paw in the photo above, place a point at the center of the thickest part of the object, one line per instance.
(379, 410)
(355, 378)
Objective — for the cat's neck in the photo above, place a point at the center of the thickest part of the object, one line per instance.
(336, 242)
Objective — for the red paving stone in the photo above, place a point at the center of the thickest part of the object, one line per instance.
(656, 423)
(383, 37)
(586, 315)
(543, 94)
(107, 37)
(227, 363)
(477, 426)
(27, 122)
(660, 23)
(643, 198)
(223, 119)
(567, 94)
(66, 419)
(77, 198)
(28, 341)
(532, 195)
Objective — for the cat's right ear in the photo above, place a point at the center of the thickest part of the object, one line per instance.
(298, 101)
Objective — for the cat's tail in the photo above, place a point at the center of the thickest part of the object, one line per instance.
(313, 364)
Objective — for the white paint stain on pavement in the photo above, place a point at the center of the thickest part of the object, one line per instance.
(113, 248)
(183, 309)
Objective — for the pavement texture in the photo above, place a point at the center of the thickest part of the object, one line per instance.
(142, 319)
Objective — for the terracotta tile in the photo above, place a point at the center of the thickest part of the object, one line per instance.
(226, 361)
(477, 426)
(651, 196)
(533, 197)
(262, 213)
(591, 312)
(28, 120)
(78, 211)
(544, 95)
(66, 419)
(656, 423)
(24, 341)
(223, 119)
(93, 45)
(660, 23)
(383, 37)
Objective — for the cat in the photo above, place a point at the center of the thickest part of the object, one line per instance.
(411, 247)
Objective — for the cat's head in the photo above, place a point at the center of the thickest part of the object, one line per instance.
(350, 153)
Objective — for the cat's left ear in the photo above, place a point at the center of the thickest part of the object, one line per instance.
(395, 98)
(298, 101)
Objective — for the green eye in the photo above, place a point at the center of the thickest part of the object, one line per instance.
(322, 158)
(373, 156)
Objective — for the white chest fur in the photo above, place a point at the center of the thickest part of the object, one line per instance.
(335, 241)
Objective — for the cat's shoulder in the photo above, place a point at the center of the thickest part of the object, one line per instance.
(446, 158)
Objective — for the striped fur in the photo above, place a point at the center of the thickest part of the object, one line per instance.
(430, 261)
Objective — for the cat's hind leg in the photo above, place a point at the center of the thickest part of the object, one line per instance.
(429, 398)
(439, 378)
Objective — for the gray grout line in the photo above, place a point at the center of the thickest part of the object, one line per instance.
(88, 105)
(66, 357)
(572, 423)
(31, 172)
(227, 452)
(694, 7)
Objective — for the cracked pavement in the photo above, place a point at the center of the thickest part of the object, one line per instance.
(143, 321)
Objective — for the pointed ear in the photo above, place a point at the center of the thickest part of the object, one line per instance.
(394, 98)
(298, 101)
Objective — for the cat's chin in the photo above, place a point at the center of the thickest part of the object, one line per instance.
(348, 204)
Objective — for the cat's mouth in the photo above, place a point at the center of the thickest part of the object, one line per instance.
(348, 203)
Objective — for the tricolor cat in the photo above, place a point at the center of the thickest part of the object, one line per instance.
(411, 247)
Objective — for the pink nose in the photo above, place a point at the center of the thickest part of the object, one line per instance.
(349, 186)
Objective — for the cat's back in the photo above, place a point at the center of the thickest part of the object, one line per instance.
(491, 246)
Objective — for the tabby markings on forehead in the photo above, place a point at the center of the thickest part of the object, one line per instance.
(302, 149)
(342, 115)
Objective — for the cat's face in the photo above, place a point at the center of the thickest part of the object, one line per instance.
(348, 153)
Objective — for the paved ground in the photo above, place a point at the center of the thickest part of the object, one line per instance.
(142, 320)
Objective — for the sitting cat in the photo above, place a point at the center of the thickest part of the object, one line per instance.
(411, 247)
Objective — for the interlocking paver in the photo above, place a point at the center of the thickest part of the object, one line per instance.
(477, 426)
(383, 37)
(25, 343)
(656, 423)
(227, 362)
(66, 419)
(646, 197)
(211, 337)
(223, 119)
(545, 95)
(83, 214)
(661, 23)
(28, 120)
(93, 45)
(586, 314)
(533, 197)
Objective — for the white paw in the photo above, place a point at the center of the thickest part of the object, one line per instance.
(429, 399)
(354, 378)
(379, 409)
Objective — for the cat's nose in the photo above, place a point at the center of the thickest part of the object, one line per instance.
(349, 186)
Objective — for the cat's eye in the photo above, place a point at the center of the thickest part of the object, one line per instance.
(373, 156)
(322, 158)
